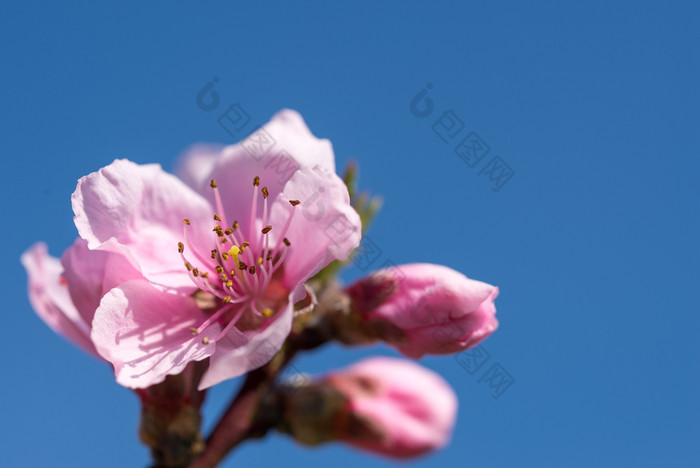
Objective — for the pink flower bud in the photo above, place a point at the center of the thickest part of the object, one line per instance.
(425, 309)
(394, 407)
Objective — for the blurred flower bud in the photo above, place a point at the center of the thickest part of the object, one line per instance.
(170, 417)
(383, 405)
(420, 309)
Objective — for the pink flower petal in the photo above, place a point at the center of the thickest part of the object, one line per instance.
(91, 273)
(294, 138)
(142, 208)
(48, 294)
(145, 333)
(324, 228)
(274, 153)
(196, 164)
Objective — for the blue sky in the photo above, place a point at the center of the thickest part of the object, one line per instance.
(592, 240)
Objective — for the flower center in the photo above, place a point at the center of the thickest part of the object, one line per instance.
(239, 270)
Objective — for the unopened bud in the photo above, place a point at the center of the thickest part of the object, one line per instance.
(383, 405)
(421, 309)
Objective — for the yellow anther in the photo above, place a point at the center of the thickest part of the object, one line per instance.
(229, 283)
(235, 225)
(260, 260)
(195, 271)
(251, 270)
(212, 184)
(267, 312)
(186, 221)
(205, 340)
(180, 247)
(216, 217)
(294, 202)
(228, 231)
(256, 181)
(233, 272)
(227, 299)
(194, 331)
(224, 255)
(266, 229)
(223, 240)
(265, 192)
(234, 251)
(188, 265)
(205, 274)
(219, 269)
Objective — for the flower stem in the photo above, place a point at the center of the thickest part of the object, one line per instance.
(170, 419)
(240, 422)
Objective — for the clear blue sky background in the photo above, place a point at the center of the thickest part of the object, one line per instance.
(593, 241)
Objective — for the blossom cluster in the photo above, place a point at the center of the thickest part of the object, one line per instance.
(216, 268)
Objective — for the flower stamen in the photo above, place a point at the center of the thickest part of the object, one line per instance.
(230, 254)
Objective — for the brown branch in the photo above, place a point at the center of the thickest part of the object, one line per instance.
(239, 422)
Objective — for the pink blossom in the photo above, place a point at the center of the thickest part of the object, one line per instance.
(65, 293)
(425, 308)
(396, 408)
(210, 268)
(50, 298)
